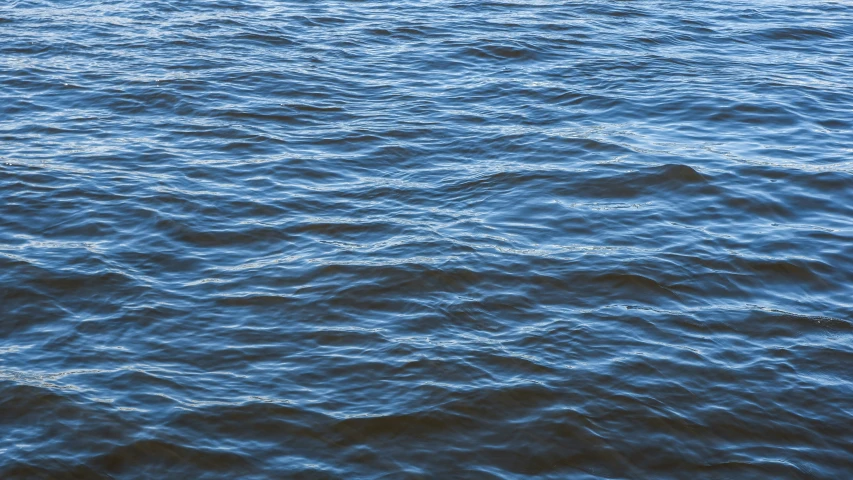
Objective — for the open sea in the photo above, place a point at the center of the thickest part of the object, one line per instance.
(426, 239)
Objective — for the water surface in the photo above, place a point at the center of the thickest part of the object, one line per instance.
(269, 239)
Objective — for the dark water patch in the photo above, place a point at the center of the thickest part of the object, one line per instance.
(153, 457)
(506, 52)
(798, 33)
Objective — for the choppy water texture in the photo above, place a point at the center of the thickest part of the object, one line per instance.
(426, 239)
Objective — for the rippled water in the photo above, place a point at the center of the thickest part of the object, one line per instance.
(426, 239)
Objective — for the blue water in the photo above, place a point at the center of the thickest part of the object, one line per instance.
(426, 239)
